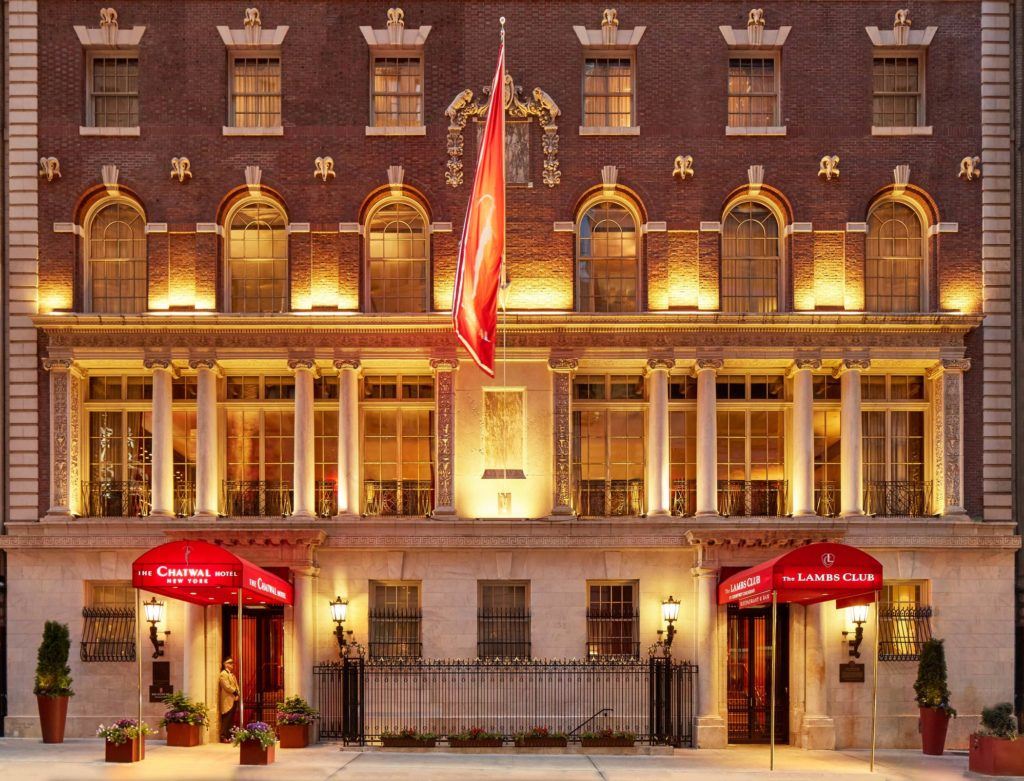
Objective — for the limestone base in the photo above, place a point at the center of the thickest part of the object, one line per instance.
(711, 732)
(818, 733)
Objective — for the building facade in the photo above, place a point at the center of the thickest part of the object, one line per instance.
(760, 274)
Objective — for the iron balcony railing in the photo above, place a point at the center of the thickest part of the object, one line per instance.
(826, 499)
(116, 499)
(257, 498)
(684, 497)
(326, 498)
(600, 498)
(398, 497)
(752, 497)
(503, 634)
(889, 498)
(184, 499)
(395, 634)
(903, 629)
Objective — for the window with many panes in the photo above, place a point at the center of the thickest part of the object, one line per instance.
(185, 423)
(607, 259)
(119, 447)
(398, 252)
(751, 258)
(894, 262)
(898, 91)
(827, 445)
(113, 95)
(115, 245)
(893, 409)
(682, 443)
(395, 620)
(257, 258)
(608, 450)
(398, 444)
(255, 99)
(904, 620)
(397, 92)
(753, 92)
(608, 92)
(108, 622)
(503, 619)
(613, 619)
(326, 390)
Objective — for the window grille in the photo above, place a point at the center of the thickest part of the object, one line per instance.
(608, 92)
(114, 92)
(897, 91)
(108, 631)
(397, 92)
(613, 621)
(395, 621)
(903, 628)
(753, 92)
(503, 621)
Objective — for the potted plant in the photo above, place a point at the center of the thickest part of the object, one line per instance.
(608, 738)
(476, 737)
(294, 715)
(408, 737)
(995, 749)
(932, 693)
(184, 720)
(53, 681)
(256, 743)
(541, 737)
(125, 740)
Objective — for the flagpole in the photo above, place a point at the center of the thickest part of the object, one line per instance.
(503, 279)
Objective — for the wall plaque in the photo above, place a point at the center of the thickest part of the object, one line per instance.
(851, 672)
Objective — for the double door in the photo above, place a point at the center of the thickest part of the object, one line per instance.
(262, 677)
(750, 675)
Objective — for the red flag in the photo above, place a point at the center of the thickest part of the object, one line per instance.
(478, 273)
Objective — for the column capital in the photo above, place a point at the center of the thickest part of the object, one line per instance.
(347, 363)
(949, 365)
(704, 572)
(57, 364)
(444, 364)
(800, 364)
(853, 364)
(657, 364)
(204, 363)
(704, 364)
(563, 364)
(164, 364)
(302, 364)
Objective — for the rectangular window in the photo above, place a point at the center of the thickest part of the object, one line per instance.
(113, 92)
(897, 85)
(827, 467)
(395, 620)
(255, 92)
(608, 92)
(325, 451)
(108, 622)
(904, 621)
(753, 92)
(120, 462)
(503, 620)
(397, 92)
(894, 446)
(682, 443)
(613, 620)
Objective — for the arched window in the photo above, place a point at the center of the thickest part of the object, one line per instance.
(607, 259)
(894, 265)
(115, 248)
(398, 258)
(257, 258)
(750, 259)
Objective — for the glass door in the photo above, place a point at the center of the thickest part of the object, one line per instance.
(749, 675)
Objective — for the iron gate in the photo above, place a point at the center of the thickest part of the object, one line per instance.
(654, 699)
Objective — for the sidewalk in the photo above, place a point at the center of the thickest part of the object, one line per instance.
(30, 760)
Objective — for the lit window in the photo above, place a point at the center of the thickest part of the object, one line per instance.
(608, 260)
(395, 621)
(113, 92)
(894, 263)
(116, 260)
(750, 259)
(257, 249)
(904, 621)
(608, 92)
(682, 443)
(503, 620)
(894, 446)
(255, 92)
(120, 452)
(613, 621)
(753, 92)
(185, 422)
(108, 622)
(397, 92)
(897, 83)
(398, 247)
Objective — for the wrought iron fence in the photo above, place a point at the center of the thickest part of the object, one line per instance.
(653, 698)
(684, 497)
(326, 498)
(752, 497)
(599, 498)
(108, 634)
(257, 498)
(903, 630)
(395, 634)
(503, 634)
(116, 499)
(898, 497)
(398, 497)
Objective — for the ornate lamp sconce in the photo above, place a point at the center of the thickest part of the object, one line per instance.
(339, 612)
(857, 615)
(154, 615)
(670, 614)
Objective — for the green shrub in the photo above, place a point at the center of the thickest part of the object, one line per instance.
(931, 686)
(999, 721)
(53, 676)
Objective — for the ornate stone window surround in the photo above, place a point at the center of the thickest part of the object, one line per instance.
(762, 44)
(251, 41)
(903, 41)
(107, 40)
(396, 41)
(614, 43)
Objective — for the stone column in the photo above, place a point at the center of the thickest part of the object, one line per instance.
(348, 436)
(444, 435)
(304, 468)
(561, 404)
(65, 438)
(659, 484)
(162, 494)
(193, 658)
(711, 727)
(707, 436)
(850, 446)
(948, 415)
(818, 730)
(803, 436)
(207, 460)
(304, 631)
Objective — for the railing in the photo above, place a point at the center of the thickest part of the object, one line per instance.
(897, 497)
(395, 634)
(116, 499)
(826, 499)
(326, 498)
(108, 634)
(752, 497)
(613, 633)
(184, 499)
(903, 630)
(257, 498)
(684, 497)
(503, 634)
(599, 498)
(398, 497)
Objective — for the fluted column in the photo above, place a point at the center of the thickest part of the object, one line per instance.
(304, 467)
(207, 462)
(65, 438)
(803, 435)
(444, 435)
(162, 474)
(711, 727)
(948, 415)
(707, 436)
(348, 436)
(850, 445)
(561, 403)
(818, 729)
(659, 487)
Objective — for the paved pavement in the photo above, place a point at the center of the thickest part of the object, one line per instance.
(24, 759)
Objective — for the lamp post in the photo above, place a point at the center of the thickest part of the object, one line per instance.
(154, 615)
(670, 614)
(339, 612)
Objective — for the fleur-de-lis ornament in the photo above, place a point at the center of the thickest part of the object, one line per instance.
(829, 167)
(49, 167)
(970, 168)
(181, 168)
(683, 167)
(901, 26)
(323, 168)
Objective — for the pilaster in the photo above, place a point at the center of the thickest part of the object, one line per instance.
(948, 434)
(444, 435)
(562, 370)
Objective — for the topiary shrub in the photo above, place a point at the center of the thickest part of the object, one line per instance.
(53, 676)
(931, 686)
(999, 721)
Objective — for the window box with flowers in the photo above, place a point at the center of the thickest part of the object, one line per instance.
(184, 720)
(294, 716)
(408, 738)
(608, 738)
(256, 743)
(476, 737)
(541, 737)
(125, 740)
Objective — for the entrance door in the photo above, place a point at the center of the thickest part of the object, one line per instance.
(262, 678)
(750, 660)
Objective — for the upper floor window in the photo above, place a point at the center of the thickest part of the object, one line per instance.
(398, 252)
(894, 444)
(608, 92)
(113, 93)
(115, 248)
(750, 259)
(257, 251)
(397, 92)
(607, 259)
(255, 99)
(754, 92)
(898, 87)
(894, 263)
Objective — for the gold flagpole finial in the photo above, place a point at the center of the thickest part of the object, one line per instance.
(502, 20)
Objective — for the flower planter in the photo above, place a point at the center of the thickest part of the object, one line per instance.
(996, 756)
(482, 743)
(542, 743)
(129, 751)
(607, 742)
(185, 735)
(408, 743)
(934, 723)
(251, 752)
(293, 735)
(53, 714)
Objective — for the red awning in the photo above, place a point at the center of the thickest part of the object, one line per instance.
(814, 573)
(206, 574)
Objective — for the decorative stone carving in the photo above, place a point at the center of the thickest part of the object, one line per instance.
(181, 168)
(110, 174)
(444, 495)
(302, 363)
(608, 35)
(396, 179)
(609, 26)
(807, 363)
(323, 168)
(252, 34)
(755, 34)
(683, 167)
(253, 178)
(563, 364)
(108, 23)
(901, 34)
(900, 178)
(157, 363)
(203, 363)
(970, 168)
(829, 167)
(347, 363)
(49, 168)
(755, 26)
(755, 178)
(709, 363)
(947, 415)
(65, 432)
(395, 34)
(396, 25)
(561, 389)
(901, 27)
(860, 364)
(466, 105)
(252, 24)
(654, 364)
(609, 179)
(109, 34)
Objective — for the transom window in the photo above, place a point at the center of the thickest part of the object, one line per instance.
(608, 259)
(116, 260)
(608, 92)
(613, 620)
(397, 99)
(255, 92)
(750, 259)
(113, 92)
(395, 620)
(503, 620)
(257, 249)
(894, 264)
(398, 247)
(897, 83)
(753, 92)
